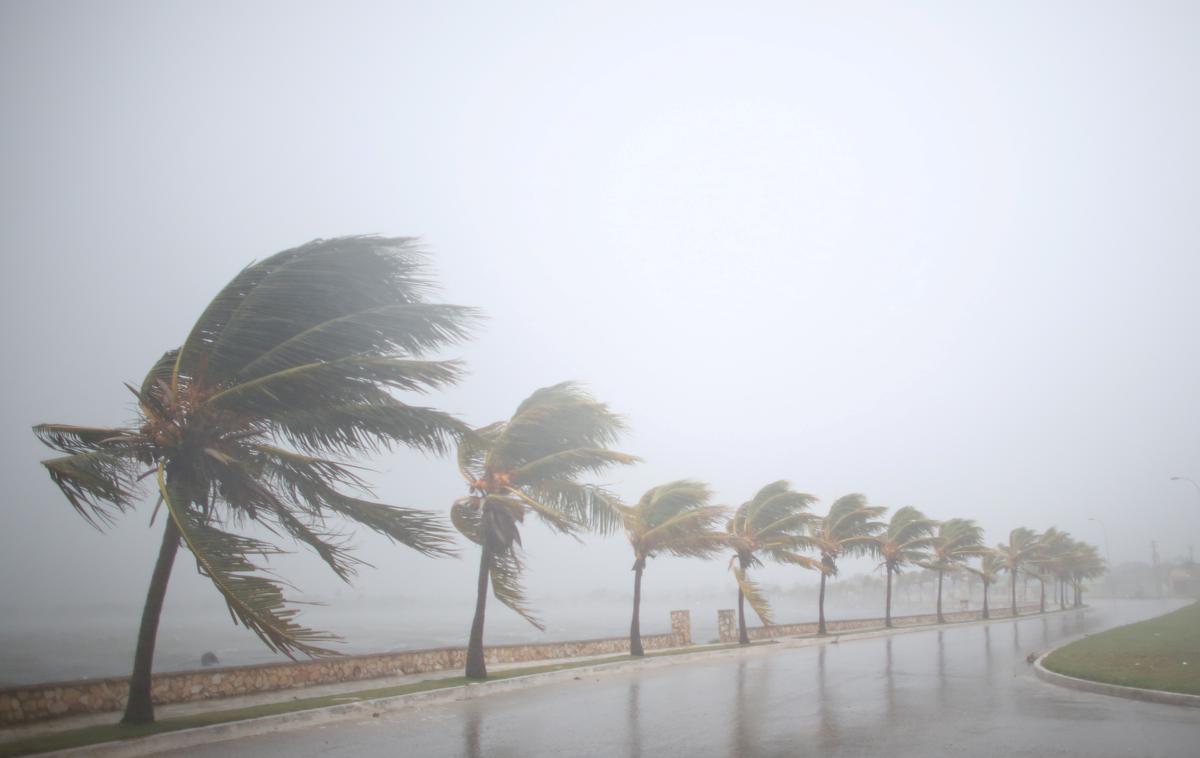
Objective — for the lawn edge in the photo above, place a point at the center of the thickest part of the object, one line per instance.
(1105, 688)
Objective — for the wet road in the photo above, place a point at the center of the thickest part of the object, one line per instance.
(960, 691)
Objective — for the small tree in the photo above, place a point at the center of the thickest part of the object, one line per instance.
(956, 541)
(904, 542)
(990, 566)
(673, 518)
(848, 529)
(771, 524)
(532, 464)
(1021, 547)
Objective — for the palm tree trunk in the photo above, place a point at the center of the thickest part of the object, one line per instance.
(476, 668)
(139, 708)
(985, 604)
(635, 627)
(821, 607)
(1042, 600)
(1013, 583)
(743, 635)
(940, 618)
(887, 616)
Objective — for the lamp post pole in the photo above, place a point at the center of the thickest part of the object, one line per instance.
(1189, 481)
(1107, 555)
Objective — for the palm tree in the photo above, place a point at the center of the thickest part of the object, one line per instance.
(285, 376)
(672, 518)
(990, 566)
(848, 529)
(1022, 546)
(956, 541)
(904, 542)
(772, 524)
(1084, 563)
(1045, 560)
(532, 464)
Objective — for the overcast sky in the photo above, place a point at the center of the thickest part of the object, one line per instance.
(944, 255)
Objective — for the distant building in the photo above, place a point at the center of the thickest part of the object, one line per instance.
(1184, 580)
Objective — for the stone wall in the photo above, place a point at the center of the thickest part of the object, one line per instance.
(42, 701)
(727, 626)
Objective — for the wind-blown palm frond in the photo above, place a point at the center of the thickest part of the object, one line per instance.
(956, 541)
(906, 540)
(848, 529)
(753, 594)
(990, 566)
(505, 575)
(675, 518)
(254, 601)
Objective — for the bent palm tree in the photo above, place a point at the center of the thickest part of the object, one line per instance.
(990, 566)
(672, 518)
(1084, 563)
(904, 542)
(1053, 547)
(285, 375)
(1022, 546)
(531, 464)
(848, 529)
(956, 541)
(770, 524)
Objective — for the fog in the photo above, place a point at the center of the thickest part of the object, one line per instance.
(947, 256)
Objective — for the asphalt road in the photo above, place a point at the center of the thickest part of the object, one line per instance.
(960, 691)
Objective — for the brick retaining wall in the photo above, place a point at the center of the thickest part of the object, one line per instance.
(727, 627)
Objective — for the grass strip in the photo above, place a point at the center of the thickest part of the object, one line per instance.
(92, 735)
(1158, 654)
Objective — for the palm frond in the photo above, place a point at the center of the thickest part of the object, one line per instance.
(505, 572)
(753, 595)
(589, 505)
(467, 518)
(254, 601)
(787, 556)
(568, 464)
(308, 480)
(553, 419)
(67, 438)
(284, 301)
(97, 483)
(356, 379)
(406, 328)
(473, 449)
(689, 533)
(371, 426)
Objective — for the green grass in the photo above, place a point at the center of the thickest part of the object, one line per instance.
(92, 735)
(1159, 654)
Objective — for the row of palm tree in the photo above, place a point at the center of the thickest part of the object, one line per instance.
(290, 375)
(776, 524)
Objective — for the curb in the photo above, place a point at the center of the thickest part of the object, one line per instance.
(1114, 690)
(216, 733)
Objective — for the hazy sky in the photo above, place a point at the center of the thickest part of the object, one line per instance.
(945, 255)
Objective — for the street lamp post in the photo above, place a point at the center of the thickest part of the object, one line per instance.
(1191, 482)
(1107, 555)
(1186, 479)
